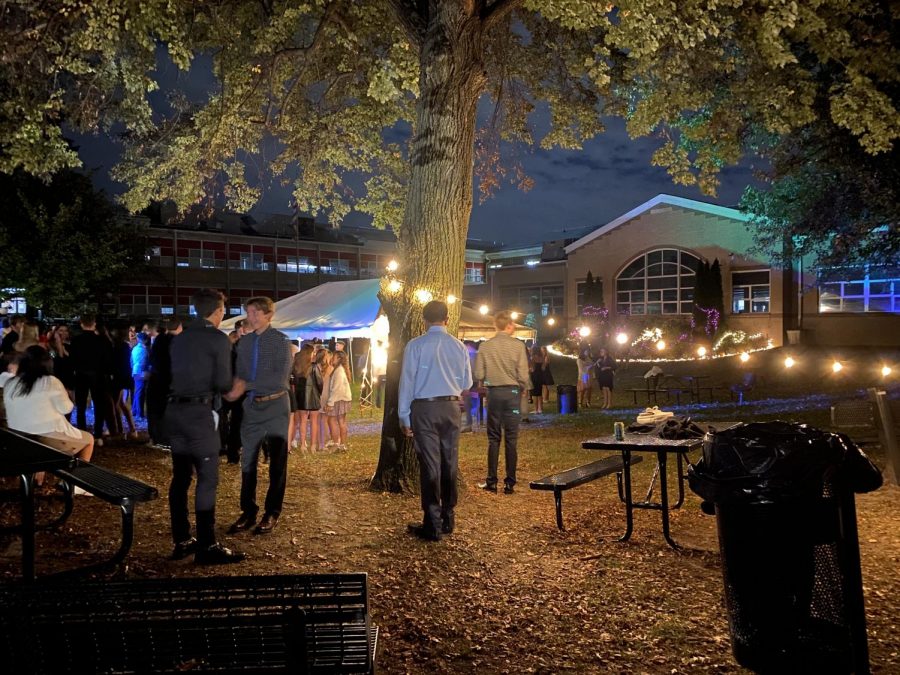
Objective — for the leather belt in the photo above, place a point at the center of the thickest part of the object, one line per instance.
(439, 398)
(270, 397)
(503, 386)
(191, 399)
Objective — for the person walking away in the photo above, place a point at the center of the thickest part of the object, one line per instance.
(160, 380)
(434, 374)
(606, 366)
(92, 362)
(308, 399)
(537, 380)
(502, 367)
(263, 369)
(201, 372)
(585, 363)
(140, 373)
(548, 380)
(340, 398)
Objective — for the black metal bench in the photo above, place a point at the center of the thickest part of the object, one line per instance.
(579, 475)
(252, 624)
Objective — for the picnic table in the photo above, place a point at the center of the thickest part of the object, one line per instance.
(663, 447)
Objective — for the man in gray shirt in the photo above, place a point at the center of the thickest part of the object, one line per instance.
(502, 366)
(262, 370)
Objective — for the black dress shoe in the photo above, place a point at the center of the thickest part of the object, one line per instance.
(488, 487)
(422, 532)
(183, 549)
(508, 489)
(245, 522)
(217, 555)
(267, 524)
(448, 523)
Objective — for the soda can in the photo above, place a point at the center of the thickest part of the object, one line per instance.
(619, 431)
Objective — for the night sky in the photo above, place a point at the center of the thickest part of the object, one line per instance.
(573, 190)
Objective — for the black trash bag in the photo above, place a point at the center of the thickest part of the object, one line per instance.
(777, 462)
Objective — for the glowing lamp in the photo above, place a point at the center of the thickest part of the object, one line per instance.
(584, 331)
(789, 362)
(484, 309)
(745, 357)
(392, 266)
(394, 286)
(885, 371)
(551, 321)
(701, 352)
(423, 295)
(513, 315)
(621, 338)
(837, 366)
(661, 345)
(451, 299)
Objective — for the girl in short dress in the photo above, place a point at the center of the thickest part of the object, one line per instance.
(337, 404)
(308, 398)
(537, 380)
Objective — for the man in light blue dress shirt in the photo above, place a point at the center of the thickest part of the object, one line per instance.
(436, 370)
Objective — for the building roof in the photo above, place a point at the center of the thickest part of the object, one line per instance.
(694, 205)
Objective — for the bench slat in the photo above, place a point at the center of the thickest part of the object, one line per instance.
(106, 484)
(582, 474)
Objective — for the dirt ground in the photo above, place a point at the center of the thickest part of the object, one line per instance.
(507, 592)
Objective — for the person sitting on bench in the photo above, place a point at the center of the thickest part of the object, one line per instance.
(37, 403)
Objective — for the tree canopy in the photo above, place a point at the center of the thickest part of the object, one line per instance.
(61, 244)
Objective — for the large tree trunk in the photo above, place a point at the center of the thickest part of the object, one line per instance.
(432, 239)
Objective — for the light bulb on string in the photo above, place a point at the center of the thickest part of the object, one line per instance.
(393, 266)
(451, 299)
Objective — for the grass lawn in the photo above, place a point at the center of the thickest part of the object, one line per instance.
(508, 592)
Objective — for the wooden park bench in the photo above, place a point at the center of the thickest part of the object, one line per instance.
(579, 475)
(311, 623)
(651, 390)
(875, 421)
(107, 485)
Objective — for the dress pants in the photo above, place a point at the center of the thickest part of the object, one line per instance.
(503, 419)
(435, 426)
(195, 448)
(95, 385)
(265, 422)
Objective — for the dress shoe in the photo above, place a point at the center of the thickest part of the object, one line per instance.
(245, 522)
(217, 555)
(267, 524)
(183, 549)
(508, 489)
(448, 523)
(488, 487)
(422, 532)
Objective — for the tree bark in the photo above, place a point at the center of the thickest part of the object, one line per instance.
(432, 238)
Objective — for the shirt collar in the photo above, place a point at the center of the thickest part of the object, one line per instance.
(436, 329)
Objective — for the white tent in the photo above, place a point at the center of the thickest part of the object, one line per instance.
(347, 309)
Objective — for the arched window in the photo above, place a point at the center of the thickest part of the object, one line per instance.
(658, 282)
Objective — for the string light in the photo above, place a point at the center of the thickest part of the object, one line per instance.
(394, 286)
(621, 338)
(451, 299)
(584, 331)
(551, 321)
(745, 357)
(789, 362)
(885, 371)
(837, 366)
(393, 266)
(484, 309)
(661, 345)
(513, 315)
(701, 351)
(424, 296)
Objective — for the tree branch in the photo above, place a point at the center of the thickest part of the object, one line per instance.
(411, 19)
(493, 14)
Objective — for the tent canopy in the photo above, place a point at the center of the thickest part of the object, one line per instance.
(346, 309)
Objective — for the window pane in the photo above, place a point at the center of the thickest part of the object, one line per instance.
(637, 309)
(853, 305)
(749, 278)
(630, 285)
(670, 255)
(880, 304)
(670, 295)
(637, 296)
(669, 268)
(739, 300)
(654, 308)
(654, 270)
(690, 261)
(687, 294)
(663, 282)
(634, 269)
(855, 288)
(654, 295)
(670, 308)
(880, 288)
(654, 257)
(687, 307)
(829, 304)
(622, 297)
(622, 308)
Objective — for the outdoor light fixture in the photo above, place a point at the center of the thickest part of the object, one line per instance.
(661, 345)
(423, 295)
(551, 321)
(451, 299)
(513, 315)
(394, 286)
(621, 338)
(837, 366)
(885, 371)
(789, 362)
(745, 357)
(701, 352)
(484, 309)
(392, 266)
(584, 331)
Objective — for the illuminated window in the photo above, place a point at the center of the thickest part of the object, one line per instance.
(860, 289)
(750, 292)
(658, 282)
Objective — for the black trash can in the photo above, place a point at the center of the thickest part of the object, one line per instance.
(567, 395)
(786, 517)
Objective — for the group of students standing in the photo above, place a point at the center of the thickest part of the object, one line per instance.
(601, 367)
(321, 398)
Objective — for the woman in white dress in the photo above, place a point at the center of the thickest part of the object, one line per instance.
(37, 403)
